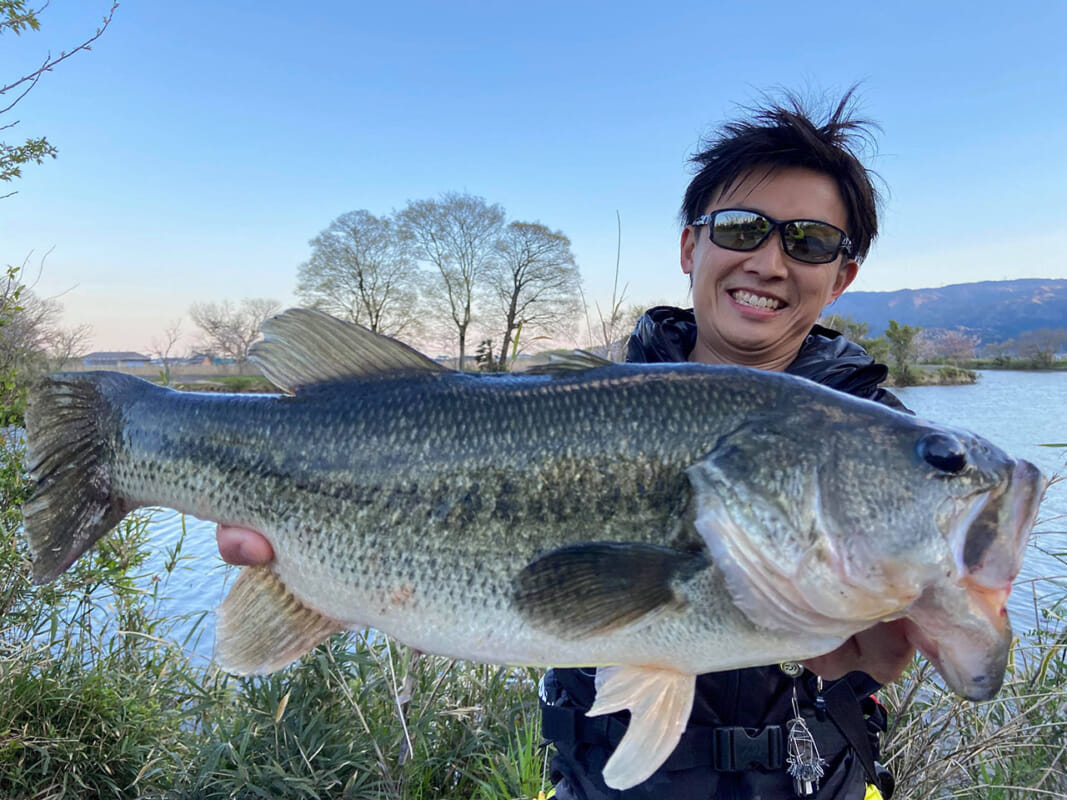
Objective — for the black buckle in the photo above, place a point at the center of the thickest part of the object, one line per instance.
(738, 749)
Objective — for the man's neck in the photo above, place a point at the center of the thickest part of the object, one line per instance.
(703, 354)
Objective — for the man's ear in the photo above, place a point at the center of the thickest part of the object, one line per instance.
(688, 244)
(846, 273)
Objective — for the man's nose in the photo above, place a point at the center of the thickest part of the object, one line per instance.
(769, 259)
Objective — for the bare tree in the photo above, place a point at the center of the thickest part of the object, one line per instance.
(952, 346)
(999, 352)
(456, 236)
(361, 270)
(163, 346)
(230, 330)
(536, 283)
(17, 18)
(1041, 345)
(31, 339)
(28, 322)
(64, 345)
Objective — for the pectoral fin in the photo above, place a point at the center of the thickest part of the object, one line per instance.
(593, 588)
(261, 627)
(659, 702)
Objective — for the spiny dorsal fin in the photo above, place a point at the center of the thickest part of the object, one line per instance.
(568, 363)
(261, 627)
(301, 347)
(659, 701)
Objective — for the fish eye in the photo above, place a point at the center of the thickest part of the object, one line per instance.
(943, 451)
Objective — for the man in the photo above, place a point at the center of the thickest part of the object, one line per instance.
(776, 222)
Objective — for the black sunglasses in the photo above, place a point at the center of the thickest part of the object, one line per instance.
(806, 240)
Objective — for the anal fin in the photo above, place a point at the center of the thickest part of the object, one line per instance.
(659, 701)
(262, 627)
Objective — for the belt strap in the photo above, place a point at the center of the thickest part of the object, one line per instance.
(843, 708)
(723, 748)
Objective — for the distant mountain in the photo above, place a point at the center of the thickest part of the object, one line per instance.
(994, 310)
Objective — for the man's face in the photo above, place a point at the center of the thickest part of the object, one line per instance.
(755, 308)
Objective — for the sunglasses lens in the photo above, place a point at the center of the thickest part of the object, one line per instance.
(739, 230)
(811, 241)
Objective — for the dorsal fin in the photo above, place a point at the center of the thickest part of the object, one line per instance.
(569, 363)
(301, 347)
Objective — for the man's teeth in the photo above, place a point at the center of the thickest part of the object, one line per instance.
(755, 300)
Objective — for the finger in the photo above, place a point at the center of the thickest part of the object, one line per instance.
(837, 663)
(885, 651)
(243, 546)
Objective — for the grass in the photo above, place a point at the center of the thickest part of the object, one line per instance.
(229, 383)
(91, 697)
(1013, 746)
(332, 727)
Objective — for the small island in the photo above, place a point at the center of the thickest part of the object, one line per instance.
(938, 357)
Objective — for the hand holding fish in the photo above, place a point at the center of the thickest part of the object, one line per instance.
(883, 652)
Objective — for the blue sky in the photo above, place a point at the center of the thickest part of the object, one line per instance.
(202, 144)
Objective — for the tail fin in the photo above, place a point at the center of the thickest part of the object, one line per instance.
(71, 432)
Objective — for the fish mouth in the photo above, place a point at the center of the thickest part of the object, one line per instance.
(989, 543)
(961, 624)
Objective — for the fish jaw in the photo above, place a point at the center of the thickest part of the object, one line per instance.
(964, 631)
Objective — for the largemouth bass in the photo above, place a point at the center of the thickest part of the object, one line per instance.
(660, 521)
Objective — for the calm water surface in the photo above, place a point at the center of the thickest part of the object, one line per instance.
(1019, 411)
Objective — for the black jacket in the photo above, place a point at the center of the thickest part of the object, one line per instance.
(756, 699)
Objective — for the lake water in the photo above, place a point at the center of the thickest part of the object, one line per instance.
(1018, 411)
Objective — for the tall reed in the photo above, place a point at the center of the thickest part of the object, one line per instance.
(94, 696)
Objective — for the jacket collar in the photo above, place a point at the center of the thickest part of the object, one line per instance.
(665, 334)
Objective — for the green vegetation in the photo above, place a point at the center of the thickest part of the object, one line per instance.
(911, 351)
(901, 340)
(230, 383)
(17, 18)
(952, 374)
(12, 389)
(1008, 362)
(91, 697)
